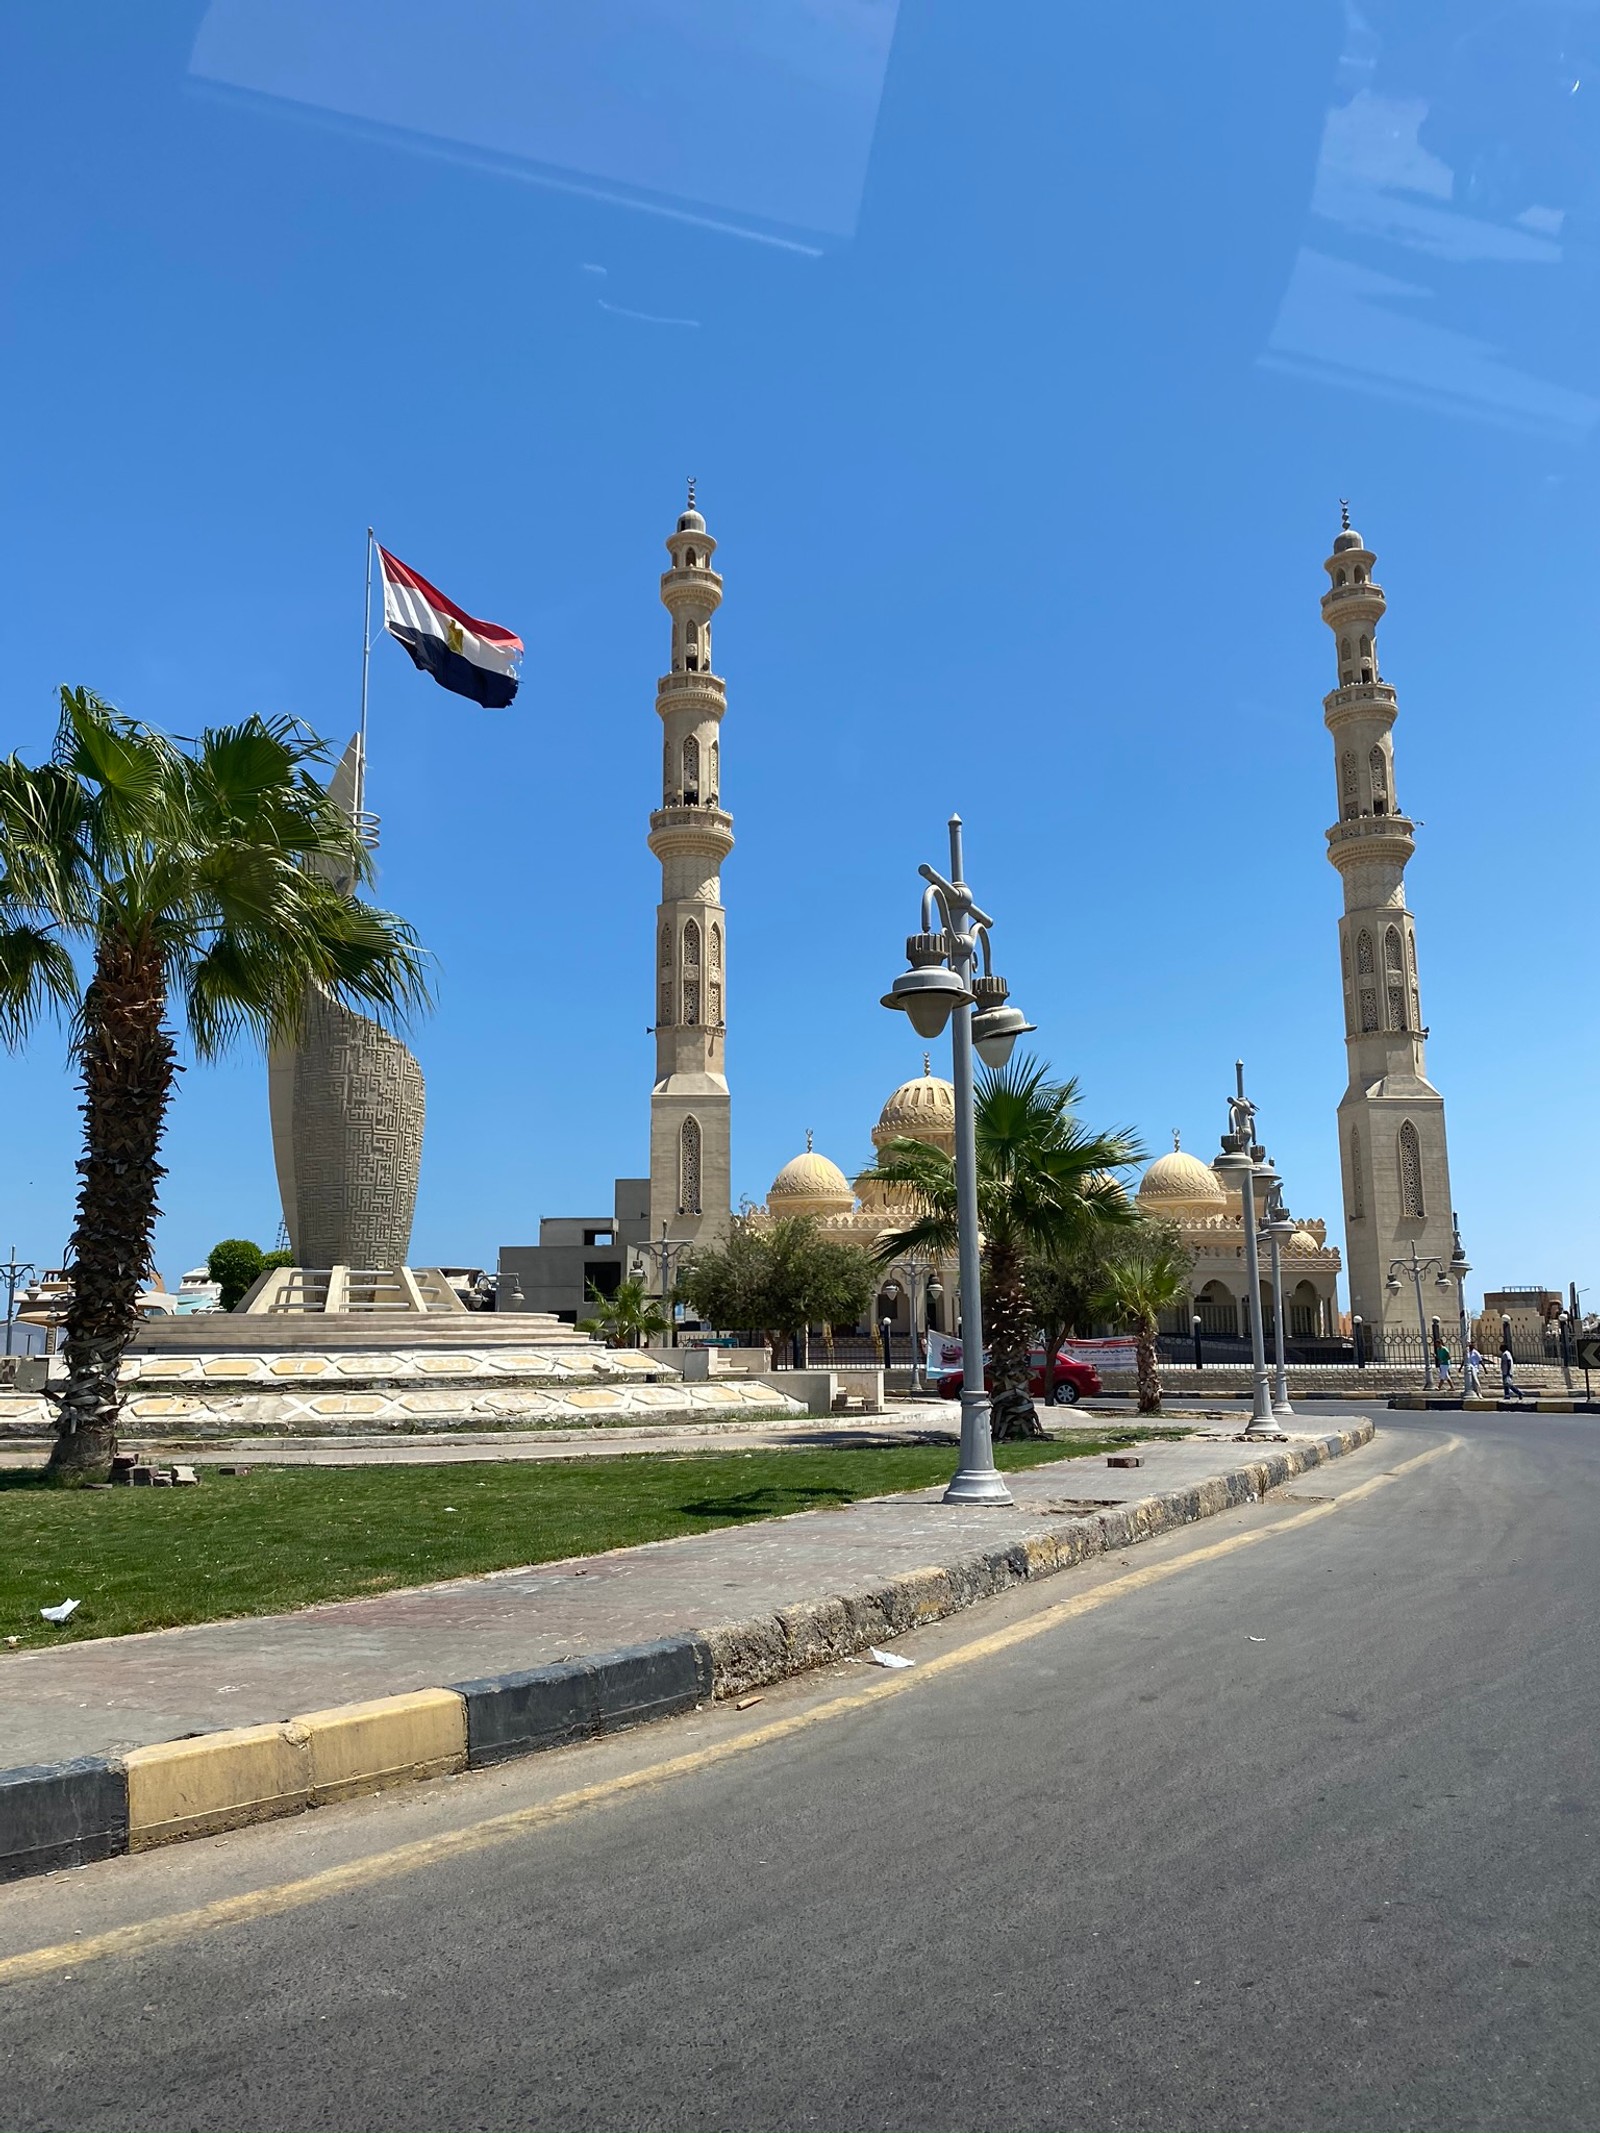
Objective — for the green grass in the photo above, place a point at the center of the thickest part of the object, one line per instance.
(282, 1537)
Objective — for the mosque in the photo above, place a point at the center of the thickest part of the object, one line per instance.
(1177, 1189)
(1393, 1159)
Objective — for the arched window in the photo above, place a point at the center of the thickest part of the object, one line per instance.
(1361, 575)
(691, 973)
(1364, 952)
(716, 947)
(689, 1167)
(716, 1005)
(1411, 1202)
(1344, 648)
(1344, 958)
(691, 638)
(1341, 578)
(1393, 953)
(1358, 1189)
(689, 559)
(1394, 963)
(1378, 766)
(691, 945)
(716, 770)
(691, 770)
(1366, 647)
(1349, 796)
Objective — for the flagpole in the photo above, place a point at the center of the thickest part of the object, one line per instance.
(366, 662)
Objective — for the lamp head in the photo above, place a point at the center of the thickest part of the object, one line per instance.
(995, 1031)
(1393, 1285)
(929, 991)
(935, 1288)
(891, 1290)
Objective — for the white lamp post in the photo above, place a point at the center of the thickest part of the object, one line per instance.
(1238, 1160)
(1277, 1229)
(1416, 1268)
(942, 986)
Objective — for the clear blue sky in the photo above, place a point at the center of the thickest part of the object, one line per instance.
(1022, 357)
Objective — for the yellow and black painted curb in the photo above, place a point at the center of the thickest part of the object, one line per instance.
(69, 1814)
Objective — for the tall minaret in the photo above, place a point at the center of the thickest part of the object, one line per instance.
(1393, 1158)
(691, 834)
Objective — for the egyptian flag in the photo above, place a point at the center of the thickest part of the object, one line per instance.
(476, 659)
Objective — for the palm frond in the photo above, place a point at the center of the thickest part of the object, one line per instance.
(37, 975)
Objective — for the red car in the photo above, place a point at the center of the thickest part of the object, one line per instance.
(1073, 1380)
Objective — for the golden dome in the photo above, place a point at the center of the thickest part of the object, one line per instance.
(1303, 1241)
(921, 1110)
(1179, 1182)
(810, 1185)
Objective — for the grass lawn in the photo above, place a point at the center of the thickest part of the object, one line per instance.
(281, 1537)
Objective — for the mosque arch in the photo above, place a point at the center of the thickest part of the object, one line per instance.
(691, 770)
(689, 1149)
(1217, 1309)
(1349, 798)
(1378, 766)
(1410, 1152)
(1305, 1309)
(1364, 953)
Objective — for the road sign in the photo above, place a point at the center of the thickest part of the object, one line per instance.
(1587, 1347)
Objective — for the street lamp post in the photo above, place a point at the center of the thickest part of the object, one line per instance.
(666, 1257)
(1276, 1228)
(943, 985)
(890, 1293)
(17, 1272)
(1195, 1328)
(1241, 1153)
(1460, 1268)
(1416, 1268)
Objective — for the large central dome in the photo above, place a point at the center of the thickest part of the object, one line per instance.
(921, 1110)
(1181, 1184)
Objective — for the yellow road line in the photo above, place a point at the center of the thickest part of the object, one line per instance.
(501, 1829)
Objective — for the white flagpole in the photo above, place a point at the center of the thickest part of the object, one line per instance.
(366, 662)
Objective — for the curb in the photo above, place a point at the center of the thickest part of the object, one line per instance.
(73, 1813)
(1542, 1403)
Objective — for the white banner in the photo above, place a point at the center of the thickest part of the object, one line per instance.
(1119, 1354)
(944, 1353)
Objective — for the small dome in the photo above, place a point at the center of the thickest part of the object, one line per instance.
(1349, 539)
(1303, 1241)
(691, 522)
(1180, 1180)
(810, 1185)
(921, 1110)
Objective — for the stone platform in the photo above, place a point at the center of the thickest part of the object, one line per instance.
(223, 1374)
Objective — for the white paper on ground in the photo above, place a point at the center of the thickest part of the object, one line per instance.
(61, 1613)
(887, 1658)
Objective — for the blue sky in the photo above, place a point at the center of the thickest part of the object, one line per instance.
(1022, 360)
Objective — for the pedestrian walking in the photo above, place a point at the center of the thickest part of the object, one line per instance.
(1441, 1362)
(1474, 1370)
(1509, 1388)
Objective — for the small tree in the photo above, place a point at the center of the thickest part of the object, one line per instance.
(627, 1318)
(234, 1265)
(1148, 1274)
(140, 883)
(1044, 1182)
(778, 1278)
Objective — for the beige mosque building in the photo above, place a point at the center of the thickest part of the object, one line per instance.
(1394, 1161)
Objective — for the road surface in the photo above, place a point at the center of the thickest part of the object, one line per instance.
(1286, 1821)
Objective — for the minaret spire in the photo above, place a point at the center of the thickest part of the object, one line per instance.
(1395, 1161)
(691, 834)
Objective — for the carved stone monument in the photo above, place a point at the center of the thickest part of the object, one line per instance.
(347, 1105)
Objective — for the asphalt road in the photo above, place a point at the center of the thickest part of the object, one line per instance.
(1287, 1821)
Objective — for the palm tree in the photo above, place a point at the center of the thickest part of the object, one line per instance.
(1044, 1181)
(1148, 1276)
(628, 1317)
(220, 874)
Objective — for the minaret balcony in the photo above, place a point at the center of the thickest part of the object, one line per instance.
(1351, 599)
(1360, 839)
(704, 831)
(674, 690)
(1358, 699)
(696, 584)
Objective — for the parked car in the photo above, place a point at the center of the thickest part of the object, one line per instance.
(1073, 1380)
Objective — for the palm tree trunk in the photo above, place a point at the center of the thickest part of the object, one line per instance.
(1011, 1408)
(128, 1064)
(1148, 1376)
